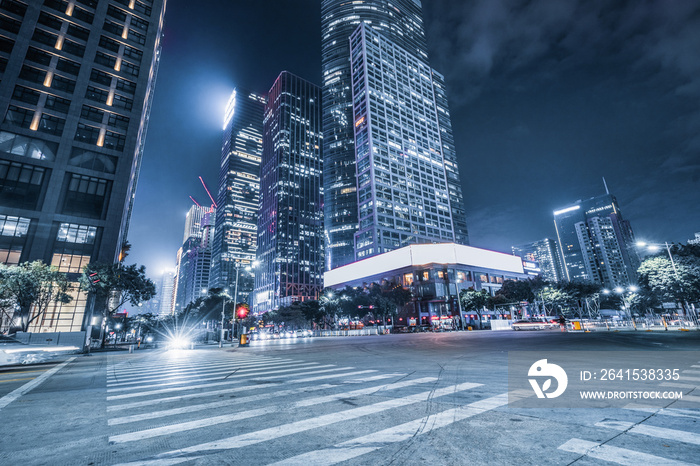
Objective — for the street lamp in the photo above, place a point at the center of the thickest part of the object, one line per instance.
(621, 291)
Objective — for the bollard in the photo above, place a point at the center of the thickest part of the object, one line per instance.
(131, 348)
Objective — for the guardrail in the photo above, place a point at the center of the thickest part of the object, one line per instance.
(631, 325)
(346, 333)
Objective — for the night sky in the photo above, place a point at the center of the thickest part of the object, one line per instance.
(547, 97)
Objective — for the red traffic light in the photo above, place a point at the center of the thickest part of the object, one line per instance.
(242, 311)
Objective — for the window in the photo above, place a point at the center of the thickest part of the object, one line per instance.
(68, 66)
(13, 232)
(69, 263)
(45, 38)
(122, 102)
(93, 161)
(92, 113)
(133, 53)
(78, 32)
(483, 278)
(6, 45)
(78, 234)
(85, 196)
(118, 121)
(63, 84)
(116, 13)
(73, 48)
(83, 15)
(10, 25)
(136, 37)
(101, 77)
(26, 95)
(130, 68)
(88, 3)
(141, 8)
(58, 5)
(20, 184)
(98, 95)
(114, 28)
(51, 124)
(109, 44)
(126, 86)
(14, 6)
(51, 21)
(38, 56)
(24, 146)
(105, 59)
(18, 116)
(87, 134)
(139, 24)
(57, 103)
(114, 141)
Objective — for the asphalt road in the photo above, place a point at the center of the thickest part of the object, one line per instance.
(438, 399)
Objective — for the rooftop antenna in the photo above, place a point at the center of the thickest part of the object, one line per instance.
(606, 186)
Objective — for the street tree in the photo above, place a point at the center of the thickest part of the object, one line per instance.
(114, 285)
(681, 284)
(474, 301)
(33, 286)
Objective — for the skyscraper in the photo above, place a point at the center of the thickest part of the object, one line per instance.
(193, 222)
(165, 293)
(290, 222)
(235, 230)
(194, 258)
(77, 84)
(399, 25)
(546, 253)
(596, 243)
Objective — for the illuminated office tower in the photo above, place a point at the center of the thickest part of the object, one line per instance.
(77, 81)
(596, 243)
(546, 253)
(290, 223)
(406, 172)
(235, 229)
(401, 24)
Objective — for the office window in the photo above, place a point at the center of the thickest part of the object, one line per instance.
(51, 21)
(126, 86)
(14, 6)
(70, 263)
(122, 102)
(20, 184)
(58, 104)
(114, 28)
(26, 95)
(92, 113)
(96, 94)
(63, 84)
(78, 234)
(44, 37)
(83, 15)
(68, 66)
(109, 44)
(87, 134)
(24, 146)
(101, 77)
(38, 56)
(9, 24)
(18, 116)
(13, 232)
(78, 32)
(85, 196)
(51, 124)
(73, 48)
(114, 141)
(118, 121)
(93, 161)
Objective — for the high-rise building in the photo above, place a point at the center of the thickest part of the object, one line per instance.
(194, 260)
(165, 293)
(76, 88)
(546, 253)
(596, 243)
(350, 228)
(290, 221)
(235, 231)
(696, 240)
(193, 222)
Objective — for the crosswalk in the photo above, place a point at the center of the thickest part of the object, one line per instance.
(206, 407)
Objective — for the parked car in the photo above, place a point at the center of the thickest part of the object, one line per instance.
(529, 325)
(13, 351)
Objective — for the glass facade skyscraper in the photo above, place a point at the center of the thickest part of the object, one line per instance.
(235, 229)
(77, 85)
(290, 222)
(596, 243)
(401, 24)
(546, 253)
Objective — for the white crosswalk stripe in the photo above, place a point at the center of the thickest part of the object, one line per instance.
(653, 431)
(615, 454)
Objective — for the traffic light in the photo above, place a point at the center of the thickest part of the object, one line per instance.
(242, 311)
(94, 279)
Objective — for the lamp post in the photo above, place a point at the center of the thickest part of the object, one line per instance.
(621, 291)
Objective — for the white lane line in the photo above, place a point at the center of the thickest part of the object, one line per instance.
(362, 445)
(165, 363)
(171, 399)
(214, 405)
(691, 398)
(191, 365)
(18, 392)
(331, 376)
(615, 454)
(678, 385)
(652, 431)
(689, 379)
(691, 372)
(231, 380)
(373, 378)
(148, 375)
(212, 421)
(204, 377)
(264, 435)
(664, 411)
(264, 396)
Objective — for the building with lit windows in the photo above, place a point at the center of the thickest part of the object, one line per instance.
(696, 240)
(290, 221)
(236, 226)
(435, 274)
(193, 269)
(418, 129)
(596, 244)
(77, 81)
(546, 254)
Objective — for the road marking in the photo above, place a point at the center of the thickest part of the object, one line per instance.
(21, 372)
(13, 395)
(191, 366)
(331, 376)
(212, 421)
(276, 432)
(362, 445)
(615, 454)
(664, 411)
(691, 372)
(652, 431)
(690, 379)
(678, 385)
(230, 380)
(373, 378)
(691, 398)
(17, 380)
(166, 364)
(220, 375)
(192, 372)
